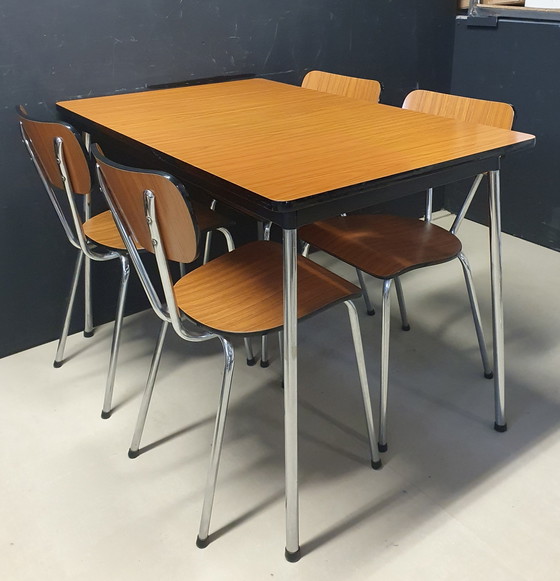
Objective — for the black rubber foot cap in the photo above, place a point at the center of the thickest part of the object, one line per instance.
(57, 364)
(251, 362)
(376, 465)
(105, 415)
(405, 327)
(265, 363)
(382, 447)
(202, 544)
(292, 557)
(371, 313)
(502, 428)
(133, 453)
(489, 375)
(88, 334)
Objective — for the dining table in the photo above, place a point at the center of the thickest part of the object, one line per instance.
(291, 156)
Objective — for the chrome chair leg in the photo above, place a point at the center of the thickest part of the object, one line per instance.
(369, 307)
(385, 336)
(134, 451)
(182, 269)
(217, 441)
(402, 305)
(249, 352)
(305, 249)
(281, 344)
(264, 351)
(125, 268)
(360, 359)
(58, 359)
(88, 311)
(207, 244)
(476, 316)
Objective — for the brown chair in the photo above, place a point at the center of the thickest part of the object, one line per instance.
(364, 89)
(62, 163)
(386, 247)
(237, 294)
(353, 87)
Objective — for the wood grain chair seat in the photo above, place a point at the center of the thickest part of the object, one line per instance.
(334, 84)
(387, 246)
(238, 293)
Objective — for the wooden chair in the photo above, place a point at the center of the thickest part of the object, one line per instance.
(387, 246)
(364, 89)
(60, 158)
(353, 87)
(153, 210)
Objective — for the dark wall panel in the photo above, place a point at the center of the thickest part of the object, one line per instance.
(517, 62)
(58, 50)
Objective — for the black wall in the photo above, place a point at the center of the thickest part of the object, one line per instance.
(517, 62)
(58, 50)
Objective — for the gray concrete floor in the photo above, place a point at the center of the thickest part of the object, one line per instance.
(454, 500)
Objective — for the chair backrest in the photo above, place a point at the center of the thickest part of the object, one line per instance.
(364, 89)
(491, 113)
(127, 187)
(42, 137)
(151, 208)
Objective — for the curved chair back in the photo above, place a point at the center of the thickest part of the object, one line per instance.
(41, 136)
(364, 89)
(127, 189)
(491, 113)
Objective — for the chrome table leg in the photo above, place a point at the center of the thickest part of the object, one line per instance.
(290, 395)
(500, 424)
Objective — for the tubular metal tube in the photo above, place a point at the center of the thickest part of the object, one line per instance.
(217, 442)
(143, 412)
(476, 314)
(360, 360)
(68, 317)
(384, 379)
(429, 203)
(402, 304)
(290, 392)
(125, 274)
(88, 309)
(497, 300)
(466, 204)
(369, 307)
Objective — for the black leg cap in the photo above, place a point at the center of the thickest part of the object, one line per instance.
(133, 453)
(405, 327)
(371, 313)
(202, 543)
(382, 447)
(292, 557)
(376, 465)
(265, 363)
(105, 415)
(57, 364)
(500, 428)
(489, 375)
(251, 362)
(88, 334)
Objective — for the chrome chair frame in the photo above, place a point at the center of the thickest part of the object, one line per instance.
(88, 251)
(170, 313)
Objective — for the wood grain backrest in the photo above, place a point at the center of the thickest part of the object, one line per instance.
(42, 135)
(364, 89)
(491, 113)
(126, 186)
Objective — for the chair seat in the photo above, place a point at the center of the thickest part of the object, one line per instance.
(102, 229)
(241, 292)
(383, 246)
